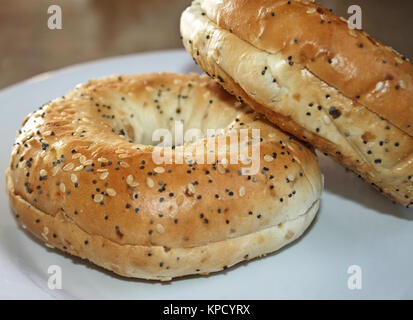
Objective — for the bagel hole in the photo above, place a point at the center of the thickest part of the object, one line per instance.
(147, 124)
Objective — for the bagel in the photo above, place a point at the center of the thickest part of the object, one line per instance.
(302, 66)
(83, 179)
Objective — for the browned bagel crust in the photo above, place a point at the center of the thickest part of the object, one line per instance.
(80, 180)
(301, 66)
(358, 61)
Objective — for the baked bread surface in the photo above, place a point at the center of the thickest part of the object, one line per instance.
(82, 179)
(301, 66)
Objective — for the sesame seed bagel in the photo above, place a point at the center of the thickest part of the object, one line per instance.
(83, 179)
(307, 71)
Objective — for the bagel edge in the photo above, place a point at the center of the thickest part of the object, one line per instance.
(130, 260)
(351, 97)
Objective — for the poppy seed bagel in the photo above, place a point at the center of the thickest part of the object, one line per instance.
(308, 72)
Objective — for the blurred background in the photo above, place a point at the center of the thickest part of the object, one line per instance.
(94, 29)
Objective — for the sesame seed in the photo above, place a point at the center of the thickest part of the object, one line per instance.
(78, 168)
(45, 233)
(398, 60)
(149, 182)
(54, 171)
(69, 166)
(129, 179)
(159, 170)
(268, 158)
(88, 162)
(242, 191)
(326, 120)
(98, 197)
(111, 192)
(62, 187)
(104, 175)
(191, 189)
(73, 177)
(124, 164)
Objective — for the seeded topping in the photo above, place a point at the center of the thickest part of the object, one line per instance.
(104, 175)
(73, 177)
(150, 183)
(98, 197)
(190, 189)
(129, 180)
(159, 170)
(69, 166)
(111, 192)
(242, 191)
(78, 168)
(268, 158)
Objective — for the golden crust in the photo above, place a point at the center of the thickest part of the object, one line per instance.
(262, 69)
(354, 65)
(81, 179)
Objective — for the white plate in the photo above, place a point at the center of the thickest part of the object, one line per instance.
(355, 226)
